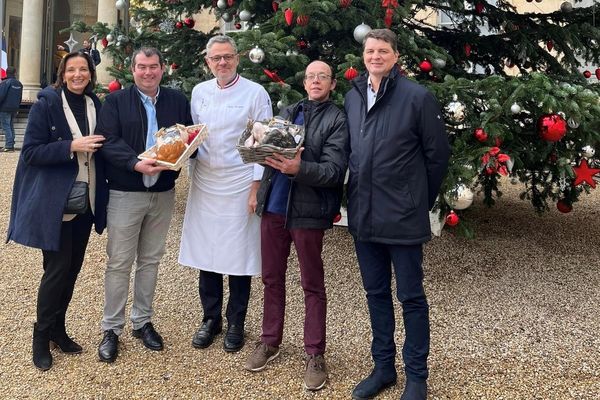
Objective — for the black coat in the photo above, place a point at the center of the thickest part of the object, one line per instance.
(45, 174)
(11, 91)
(399, 154)
(316, 191)
(124, 124)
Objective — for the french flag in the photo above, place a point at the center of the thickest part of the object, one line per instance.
(3, 59)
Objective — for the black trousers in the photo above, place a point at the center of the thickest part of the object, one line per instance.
(210, 287)
(60, 272)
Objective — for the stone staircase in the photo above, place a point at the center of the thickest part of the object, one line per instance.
(20, 123)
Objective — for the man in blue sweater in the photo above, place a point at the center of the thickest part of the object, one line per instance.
(11, 91)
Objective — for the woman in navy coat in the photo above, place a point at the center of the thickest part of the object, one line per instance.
(59, 148)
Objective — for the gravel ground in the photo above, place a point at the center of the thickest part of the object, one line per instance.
(514, 316)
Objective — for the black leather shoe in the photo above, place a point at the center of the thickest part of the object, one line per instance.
(149, 336)
(108, 349)
(207, 332)
(234, 338)
(414, 391)
(377, 381)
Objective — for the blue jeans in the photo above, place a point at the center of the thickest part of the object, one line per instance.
(375, 261)
(6, 120)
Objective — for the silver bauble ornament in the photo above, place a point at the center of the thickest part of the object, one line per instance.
(456, 110)
(290, 53)
(572, 123)
(588, 151)
(226, 17)
(222, 4)
(439, 62)
(110, 37)
(121, 4)
(566, 7)
(360, 32)
(245, 15)
(515, 108)
(256, 55)
(121, 38)
(459, 198)
(280, 104)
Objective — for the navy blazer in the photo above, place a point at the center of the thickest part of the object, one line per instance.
(45, 174)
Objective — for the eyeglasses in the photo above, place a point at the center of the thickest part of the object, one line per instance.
(319, 77)
(226, 57)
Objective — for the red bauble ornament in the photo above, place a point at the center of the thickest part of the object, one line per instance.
(350, 73)
(275, 6)
(179, 25)
(549, 45)
(583, 173)
(452, 219)
(302, 20)
(345, 3)
(238, 25)
(230, 3)
(104, 42)
(174, 66)
(551, 127)
(425, 66)
(337, 218)
(113, 86)
(467, 49)
(189, 22)
(563, 206)
(289, 16)
(387, 20)
(301, 44)
(597, 73)
(587, 74)
(479, 7)
(480, 135)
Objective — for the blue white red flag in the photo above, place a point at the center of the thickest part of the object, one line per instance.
(3, 59)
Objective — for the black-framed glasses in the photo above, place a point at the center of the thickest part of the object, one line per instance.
(319, 77)
(226, 57)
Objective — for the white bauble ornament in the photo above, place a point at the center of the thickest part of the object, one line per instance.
(121, 4)
(222, 4)
(572, 123)
(227, 17)
(360, 32)
(588, 151)
(280, 104)
(256, 55)
(515, 108)
(456, 110)
(439, 62)
(245, 15)
(110, 37)
(460, 198)
(566, 7)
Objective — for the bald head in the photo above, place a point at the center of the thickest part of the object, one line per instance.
(318, 81)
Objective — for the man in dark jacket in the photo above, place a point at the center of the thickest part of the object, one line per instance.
(298, 199)
(141, 198)
(11, 91)
(91, 51)
(399, 156)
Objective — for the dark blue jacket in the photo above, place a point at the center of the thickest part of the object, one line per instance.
(316, 191)
(11, 91)
(124, 124)
(399, 155)
(45, 174)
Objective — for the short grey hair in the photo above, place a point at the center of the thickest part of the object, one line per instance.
(383, 34)
(148, 52)
(221, 39)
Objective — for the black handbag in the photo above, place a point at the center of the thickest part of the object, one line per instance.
(77, 203)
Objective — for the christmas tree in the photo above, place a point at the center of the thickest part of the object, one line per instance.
(517, 88)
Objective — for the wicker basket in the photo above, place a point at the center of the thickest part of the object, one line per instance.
(202, 135)
(259, 153)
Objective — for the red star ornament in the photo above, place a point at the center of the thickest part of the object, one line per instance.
(583, 173)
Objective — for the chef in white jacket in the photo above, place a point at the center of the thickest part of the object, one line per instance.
(221, 233)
